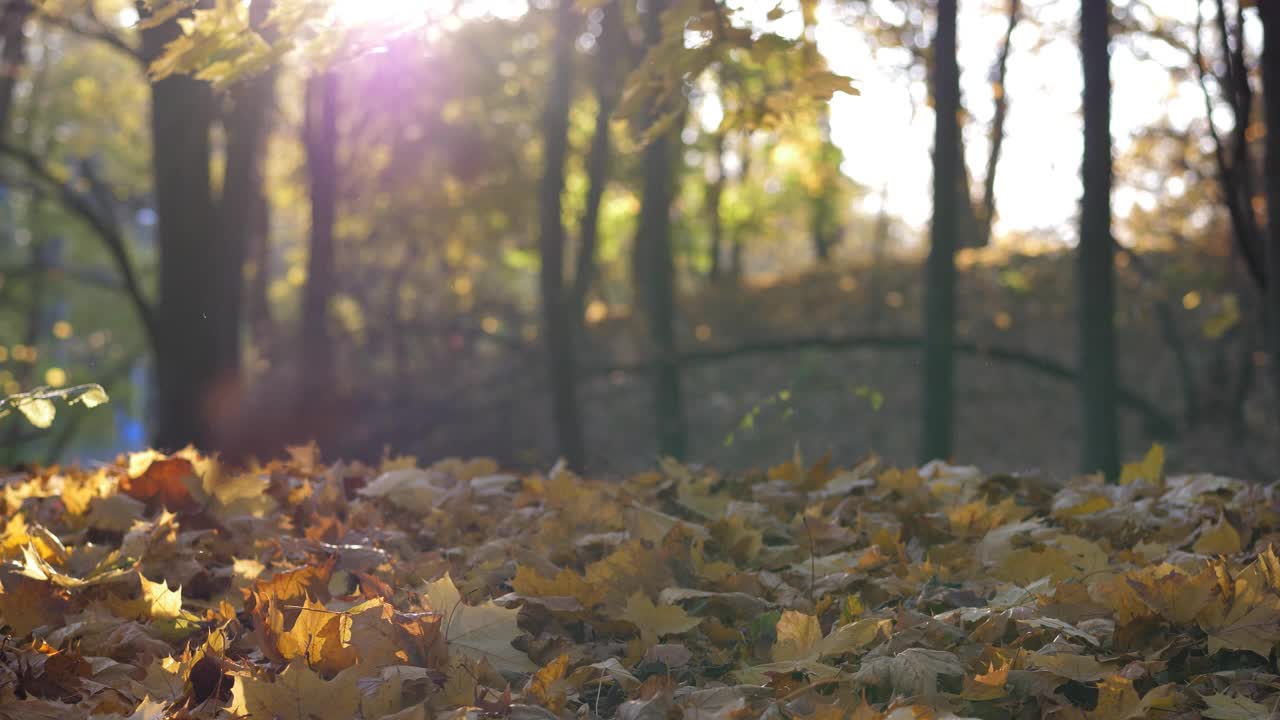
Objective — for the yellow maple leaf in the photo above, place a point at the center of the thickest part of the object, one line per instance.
(797, 634)
(480, 632)
(547, 685)
(320, 637)
(1243, 613)
(1219, 539)
(1081, 668)
(1172, 593)
(1117, 700)
(1151, 468)
(298, 693)
(988, 685)
(657, 621)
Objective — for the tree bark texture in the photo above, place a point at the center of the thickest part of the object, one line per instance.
(557, 327)
(940, 270)
(1095, 272)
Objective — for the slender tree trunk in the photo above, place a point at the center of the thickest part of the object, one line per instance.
(987, 210)
(242, 209)
(1271, 105)
(738, 249)
(1095, 273)
(557, 326)
(190, 300)
(820, 222)
(966, 212)
(1244, 223)
(715, 224)
(879, 250)
(257, 311)
(321, 130)
(653, 250)
(607, 89)
(13, 57)
(940, 272)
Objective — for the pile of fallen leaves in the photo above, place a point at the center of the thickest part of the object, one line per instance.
(170, 587)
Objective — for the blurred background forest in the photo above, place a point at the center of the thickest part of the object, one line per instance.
(612, 230)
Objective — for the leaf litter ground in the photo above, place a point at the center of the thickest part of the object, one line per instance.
(170, 587)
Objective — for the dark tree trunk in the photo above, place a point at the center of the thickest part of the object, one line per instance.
(607, 89)
(191, 298)
(1095, 274)
(257, 311)
(715, 224)
(940, 272)
(738, 250)
(657, 279)
(966, 213)
(557, 331)
(321, 131)
(879, 250)
(1271, 104)
(243, 208)
(820, 228)
(13, 57)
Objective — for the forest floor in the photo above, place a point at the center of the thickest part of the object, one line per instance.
(757, 408)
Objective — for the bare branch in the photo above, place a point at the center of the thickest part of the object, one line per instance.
(107, 231)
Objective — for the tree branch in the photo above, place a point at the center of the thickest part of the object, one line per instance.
(85, 209)
(1243, 222)
(93, 31)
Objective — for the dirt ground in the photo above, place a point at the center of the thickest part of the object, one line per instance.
(756, 409)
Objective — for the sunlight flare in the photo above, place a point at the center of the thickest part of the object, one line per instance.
(388, 12)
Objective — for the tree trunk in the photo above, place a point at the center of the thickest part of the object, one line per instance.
(607, 89)
(557, 326)
(657, 279)
(13, 58)
(987, 208)
(321, 131)
(820, 221)
(940, 272)
(243, 208)
(874, 302)
(1271, 105)
(738, 249)
(1095, 273)
(715, 225)
(191, 298)
(257, 311)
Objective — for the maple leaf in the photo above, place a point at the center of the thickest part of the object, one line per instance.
(1243, 613)
(480, 632)
(566, 583)
(1172, 593)
(1233, 707)
(297, 693)
(410, 489)
(1117, 700)
(989, 685)
(914, 671)
(797, 636)
(162, 482)
(1150, 469)
(1081, 668)
(383, 696)
(319, 637)
(657, 621)
(547, 686)
(26, 604)
(1218, 539)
